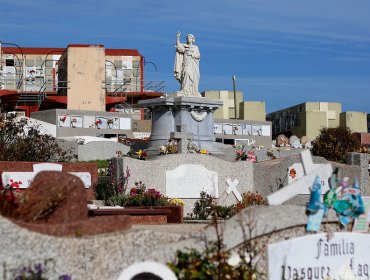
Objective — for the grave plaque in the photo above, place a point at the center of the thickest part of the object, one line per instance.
(237, 129)
(344, 256)
(247, 129)
(257, 130)
(266, 130)
(64, 121)
(189, 180)
(27, 177)
(217, 128)
(227, 128)
(88, 121)
(125, 123)
(76, 121)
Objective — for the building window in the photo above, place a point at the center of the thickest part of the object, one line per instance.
(9, 62)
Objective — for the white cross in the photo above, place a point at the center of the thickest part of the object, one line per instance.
(250, 142)
(303, 184)
(232, 188)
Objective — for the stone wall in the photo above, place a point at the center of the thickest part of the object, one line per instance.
(271, 176)
(105, 256)
(153, 173)
(263, 177)
(363, 162)
(100, 150)
(95, 150)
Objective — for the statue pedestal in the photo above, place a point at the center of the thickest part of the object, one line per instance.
(171, 115)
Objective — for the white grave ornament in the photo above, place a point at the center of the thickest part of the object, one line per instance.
(296, 172)
(296, 145)
(147, 270)
(189, 180)
(302, 185)
(232, 188)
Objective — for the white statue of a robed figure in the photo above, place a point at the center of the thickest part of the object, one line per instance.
(187, 66)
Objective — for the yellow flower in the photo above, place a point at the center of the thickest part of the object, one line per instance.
(176, 201)
(139, 152)
(203, 152)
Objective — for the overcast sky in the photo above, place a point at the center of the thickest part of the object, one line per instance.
(283, 52)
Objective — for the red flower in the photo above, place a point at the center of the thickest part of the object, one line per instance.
(14, 184)
(292, 173)
(133, 191)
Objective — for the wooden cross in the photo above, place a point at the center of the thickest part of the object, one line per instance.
(182, 138)
(303, 184)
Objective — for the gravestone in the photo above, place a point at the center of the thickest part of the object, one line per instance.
(343, 256)
(55, 204)
(302, 185)
(293, 139)
(282, 140)
(148, 270)
(308, 145)
(54, 197)
(305, 139)
(296, 145)
(189, 180)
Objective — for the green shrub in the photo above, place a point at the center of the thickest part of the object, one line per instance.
(117, 200)
(102, 163)
(206, 206)
(20, 142)
(224, 212)
(334, 143)
(138, 196)
(203, 207)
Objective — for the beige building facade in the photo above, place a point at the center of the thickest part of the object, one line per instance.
(307, 119)
(245, 110)
(227, 111)
(253, 111)
(356, 121)
(83, 68)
